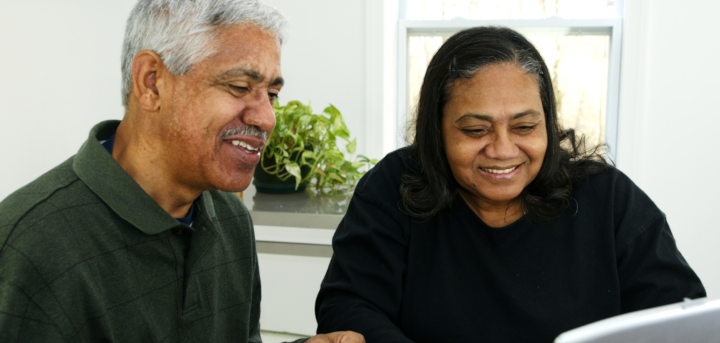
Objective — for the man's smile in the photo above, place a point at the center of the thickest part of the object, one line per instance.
(247, 146)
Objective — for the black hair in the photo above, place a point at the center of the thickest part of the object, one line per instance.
(567, 160)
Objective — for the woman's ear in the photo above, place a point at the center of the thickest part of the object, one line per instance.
(147, 69)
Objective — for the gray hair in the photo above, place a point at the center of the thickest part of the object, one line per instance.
(181, 31)
(522, 58)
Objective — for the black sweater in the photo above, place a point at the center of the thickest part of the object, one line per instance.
(452, 278)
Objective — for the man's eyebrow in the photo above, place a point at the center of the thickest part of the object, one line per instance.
(279, 81)
(241, 71)
(253, 74)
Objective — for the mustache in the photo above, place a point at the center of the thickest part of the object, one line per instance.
(250, 130)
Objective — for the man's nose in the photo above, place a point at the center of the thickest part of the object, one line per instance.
(502, 147)
(259, 111)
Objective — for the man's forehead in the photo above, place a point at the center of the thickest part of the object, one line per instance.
(245, 51)
(245, 39)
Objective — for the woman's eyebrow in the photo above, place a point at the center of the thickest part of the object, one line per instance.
(491, 119)
(484, 117)
(534, 113)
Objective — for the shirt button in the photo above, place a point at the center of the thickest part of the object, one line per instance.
(178, 232)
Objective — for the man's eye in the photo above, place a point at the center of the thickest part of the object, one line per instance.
(238, 89)
(273, 97)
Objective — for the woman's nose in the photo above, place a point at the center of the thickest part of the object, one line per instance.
(502, 147)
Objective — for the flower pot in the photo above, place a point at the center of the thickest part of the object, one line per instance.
(270, 183)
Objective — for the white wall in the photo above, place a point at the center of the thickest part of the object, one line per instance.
(669, 119)
(324, 58)
(59, 75)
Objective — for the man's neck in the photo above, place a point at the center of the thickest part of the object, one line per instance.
(144, 162)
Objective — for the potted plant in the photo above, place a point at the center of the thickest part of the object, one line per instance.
(303, 149)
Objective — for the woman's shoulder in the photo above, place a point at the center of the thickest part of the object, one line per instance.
(606, 179)
(386, 176)
(614, 189)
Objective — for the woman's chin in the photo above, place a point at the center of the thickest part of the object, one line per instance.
(493, 195)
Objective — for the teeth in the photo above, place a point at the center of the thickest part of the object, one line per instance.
(499, 171)
(244, 145)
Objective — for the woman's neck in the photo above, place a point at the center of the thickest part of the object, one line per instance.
(494, 213)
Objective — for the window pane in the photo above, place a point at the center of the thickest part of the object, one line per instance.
(509, 9)
(578, 66)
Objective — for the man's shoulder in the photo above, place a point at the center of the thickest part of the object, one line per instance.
(40, 217)
(26, 204)
(38, 227)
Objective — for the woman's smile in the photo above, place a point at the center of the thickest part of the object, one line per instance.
(499, 173)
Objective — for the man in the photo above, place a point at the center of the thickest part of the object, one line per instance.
(133, 238)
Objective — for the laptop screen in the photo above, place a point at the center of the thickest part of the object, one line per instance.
(691, 321)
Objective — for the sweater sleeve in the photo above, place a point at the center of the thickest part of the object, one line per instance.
(254, 330)
(254, 319)
(651, 270)
(363, 288)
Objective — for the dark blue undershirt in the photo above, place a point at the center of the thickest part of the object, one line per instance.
(108, 144)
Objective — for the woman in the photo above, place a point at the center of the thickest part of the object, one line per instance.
(495, 225)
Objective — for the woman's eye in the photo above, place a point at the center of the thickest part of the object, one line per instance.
(475, 132)
(525, 128)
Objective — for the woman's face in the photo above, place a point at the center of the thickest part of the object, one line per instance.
(494, 133)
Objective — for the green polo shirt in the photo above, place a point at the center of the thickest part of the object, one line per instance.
(87, 256)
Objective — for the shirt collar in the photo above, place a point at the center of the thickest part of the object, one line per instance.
(101, 173)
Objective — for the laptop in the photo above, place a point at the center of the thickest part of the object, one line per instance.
(690, 321)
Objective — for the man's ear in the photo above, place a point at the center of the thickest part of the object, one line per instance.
(147, 71)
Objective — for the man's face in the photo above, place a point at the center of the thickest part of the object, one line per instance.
(215, 117)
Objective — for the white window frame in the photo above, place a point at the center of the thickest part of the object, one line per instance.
(553, 25)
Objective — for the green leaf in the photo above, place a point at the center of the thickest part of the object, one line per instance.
(294, 170)
(308, 155)
(304, 120)
(351, 146)
(340, 130)
(336, 177)
(332, 111)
